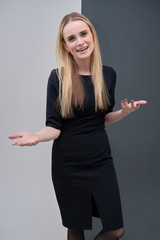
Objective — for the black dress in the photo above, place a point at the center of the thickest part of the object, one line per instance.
(83, 172)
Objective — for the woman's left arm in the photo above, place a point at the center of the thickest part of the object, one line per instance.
(127, 108)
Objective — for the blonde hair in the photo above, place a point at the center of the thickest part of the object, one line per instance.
(71, 91)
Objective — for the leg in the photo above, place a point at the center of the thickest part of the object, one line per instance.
(74, 234)
(110, 235)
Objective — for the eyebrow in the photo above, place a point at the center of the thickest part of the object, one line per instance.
(79, 32)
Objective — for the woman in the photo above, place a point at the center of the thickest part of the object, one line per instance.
(80, 100)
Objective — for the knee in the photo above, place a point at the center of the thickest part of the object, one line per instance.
(115, 234)
(119, 233)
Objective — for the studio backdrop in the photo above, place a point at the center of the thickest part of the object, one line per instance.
(129, 39)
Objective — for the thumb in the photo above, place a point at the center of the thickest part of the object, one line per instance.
(17, 135)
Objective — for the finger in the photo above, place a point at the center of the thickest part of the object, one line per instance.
(126, 101)
(141, 102)
(122, 105)
(128, 106)
(13, 136)
(132, 104)
(27, 144)
(15, 143)
(21, 144)
(138, 106)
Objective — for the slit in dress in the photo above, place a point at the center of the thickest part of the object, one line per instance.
(95, 212)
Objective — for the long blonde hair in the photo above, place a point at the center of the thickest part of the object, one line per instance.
(71, 91)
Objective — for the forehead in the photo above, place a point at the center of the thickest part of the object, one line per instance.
(74, 27)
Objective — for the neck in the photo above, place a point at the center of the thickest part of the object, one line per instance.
(84, 67)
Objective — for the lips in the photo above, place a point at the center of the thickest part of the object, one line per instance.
(82, 49)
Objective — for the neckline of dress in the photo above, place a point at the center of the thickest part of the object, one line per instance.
(84, 75)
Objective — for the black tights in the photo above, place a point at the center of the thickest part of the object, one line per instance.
(73, 234)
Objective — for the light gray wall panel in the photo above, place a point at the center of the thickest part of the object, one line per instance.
(28, 29)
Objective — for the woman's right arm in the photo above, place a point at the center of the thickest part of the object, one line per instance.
(31, 139)
(53, 118)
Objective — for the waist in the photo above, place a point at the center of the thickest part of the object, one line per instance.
(81, 143)
(85, 150)
(82, 126)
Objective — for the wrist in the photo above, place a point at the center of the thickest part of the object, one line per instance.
(38, 137)
(124, 112)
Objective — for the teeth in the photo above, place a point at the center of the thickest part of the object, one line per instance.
(82, 49)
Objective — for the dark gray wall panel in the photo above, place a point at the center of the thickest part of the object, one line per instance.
(129, 38)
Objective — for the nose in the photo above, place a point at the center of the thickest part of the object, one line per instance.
(79, 41)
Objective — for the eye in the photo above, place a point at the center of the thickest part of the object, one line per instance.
(71, 39)
(83, 34)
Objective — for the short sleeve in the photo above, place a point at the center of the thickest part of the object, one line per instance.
(110, 78)
(112, 91)
(53, 116)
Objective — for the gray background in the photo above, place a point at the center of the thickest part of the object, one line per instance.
(28, 29)
(129, 37)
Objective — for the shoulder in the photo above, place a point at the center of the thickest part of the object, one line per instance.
(53, 75)
(109, 75)
(53, 79)
(108, 71)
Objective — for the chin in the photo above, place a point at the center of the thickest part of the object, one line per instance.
(84, 57)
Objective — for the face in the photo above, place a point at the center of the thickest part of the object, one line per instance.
(78, 40)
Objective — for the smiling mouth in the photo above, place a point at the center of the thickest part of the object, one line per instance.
(82, 49)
